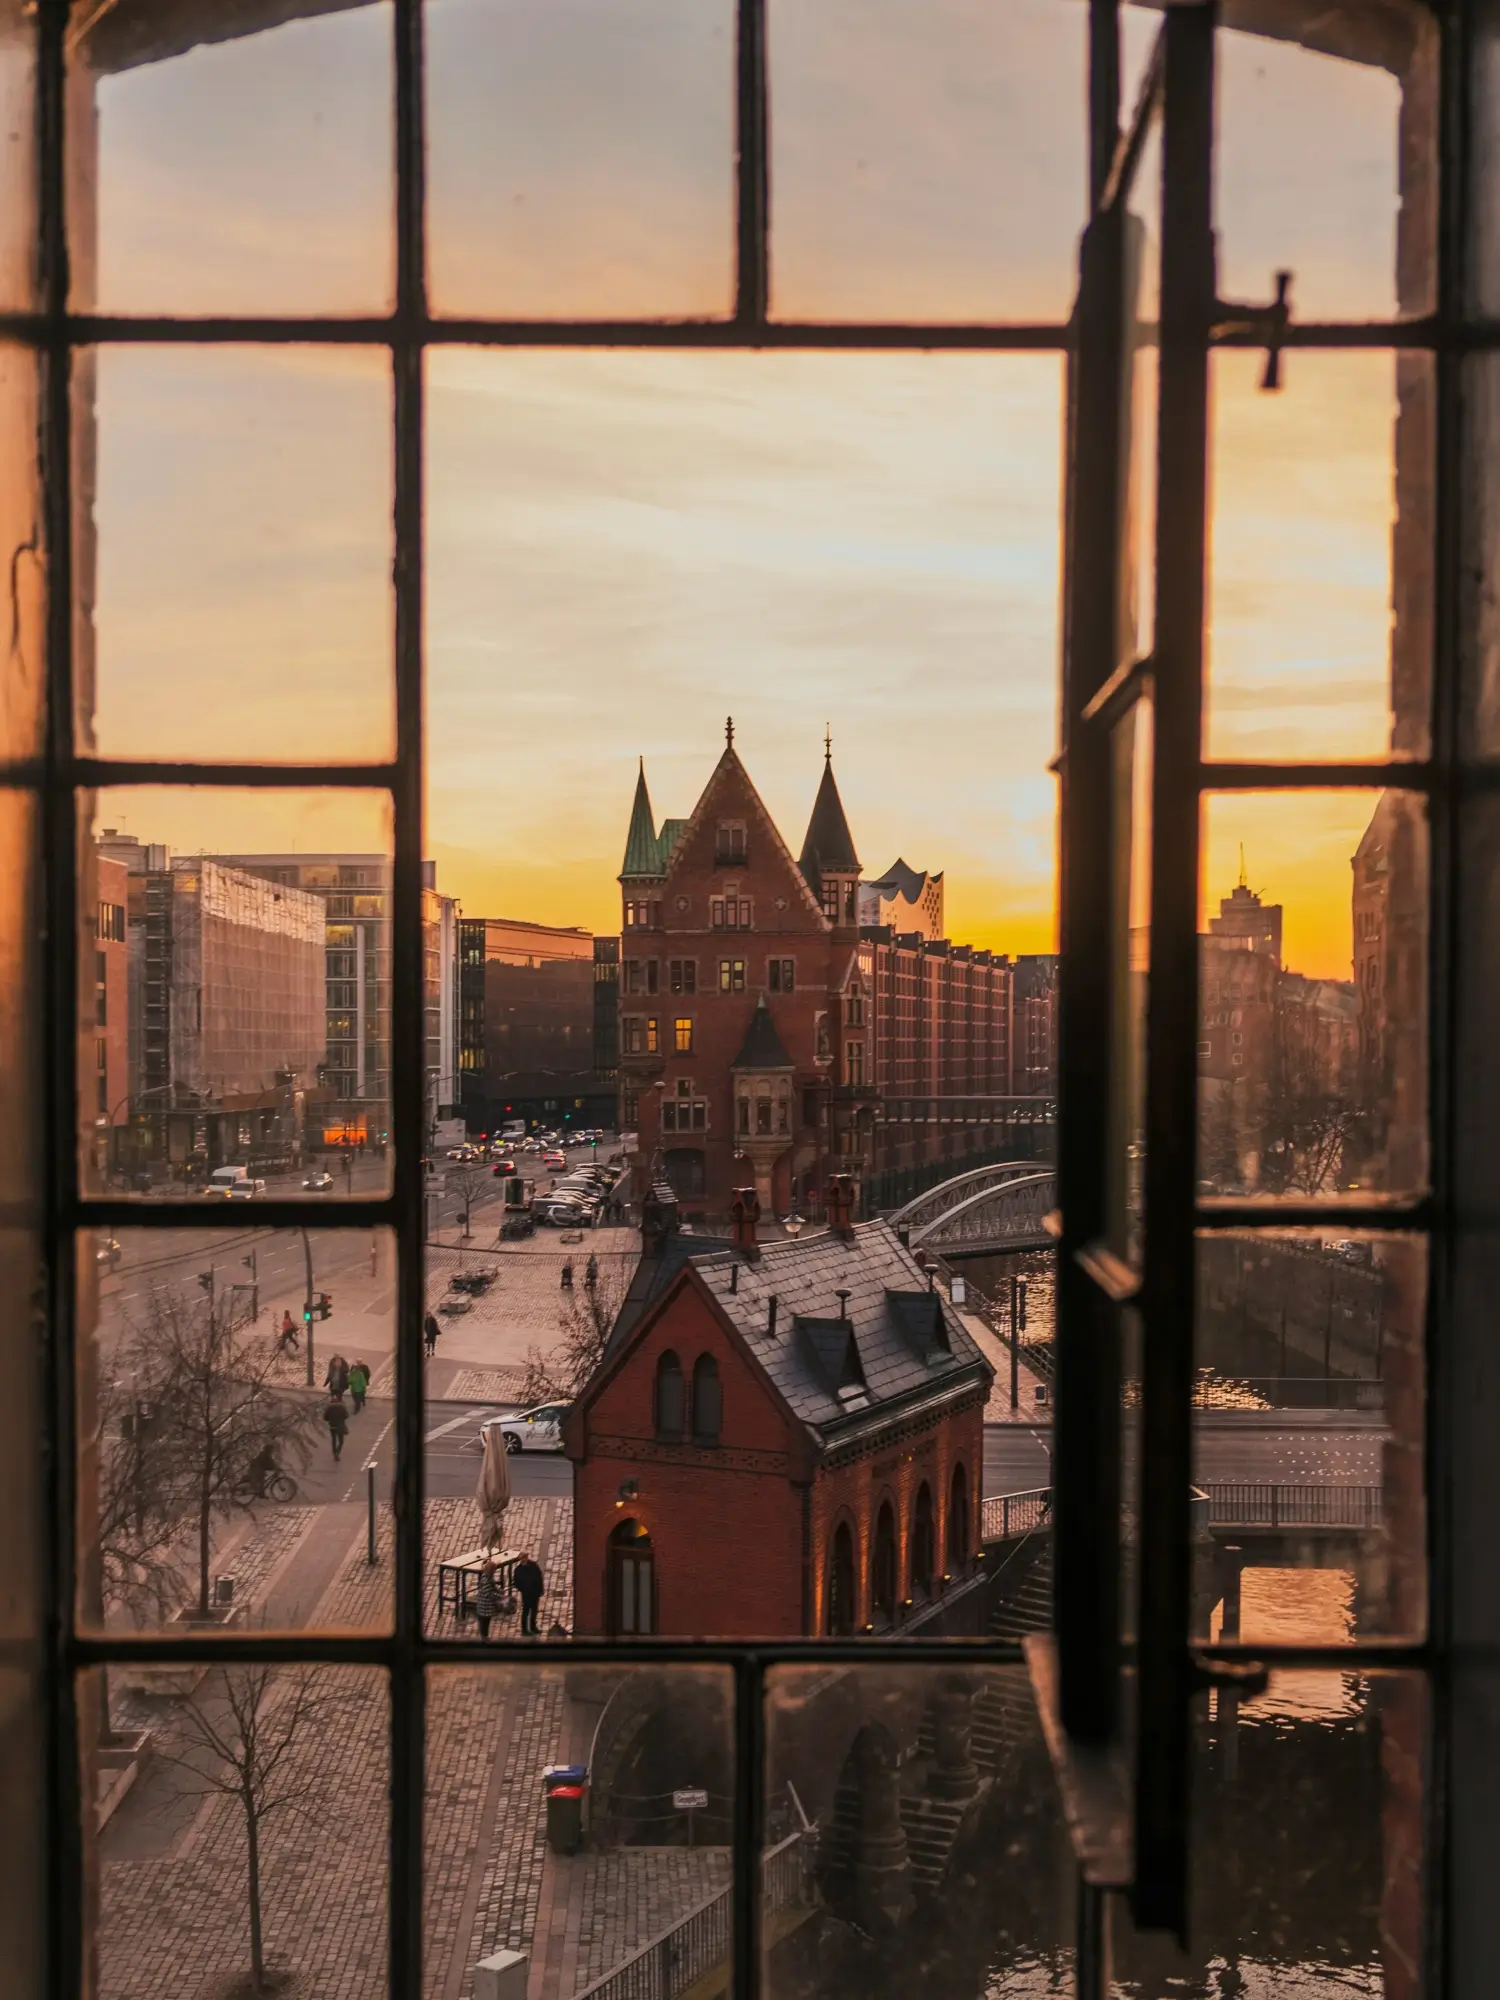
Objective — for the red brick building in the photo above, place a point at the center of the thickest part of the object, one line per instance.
(766, 1034)
(783, 1442)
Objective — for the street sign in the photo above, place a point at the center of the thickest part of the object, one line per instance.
(690, 1801)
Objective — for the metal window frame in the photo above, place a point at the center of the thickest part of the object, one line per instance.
(1091, 1656)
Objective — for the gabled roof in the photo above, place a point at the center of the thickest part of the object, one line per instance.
(643, 860)
(829, 845)
(762, 1047)
(730, 772)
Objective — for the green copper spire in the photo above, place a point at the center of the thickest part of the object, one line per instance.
(642, 855)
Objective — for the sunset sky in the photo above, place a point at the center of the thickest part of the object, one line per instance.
(624, 548)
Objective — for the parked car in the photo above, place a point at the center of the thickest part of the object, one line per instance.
(530, 1430)
(565, 1214)
(318, 1183)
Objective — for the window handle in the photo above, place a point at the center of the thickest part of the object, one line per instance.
(1270, 321)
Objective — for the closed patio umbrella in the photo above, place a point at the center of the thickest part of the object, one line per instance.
(493, 1491)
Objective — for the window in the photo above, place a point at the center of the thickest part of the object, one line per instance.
(632, 1035)
(854, 1065)
(762, 1114)
(883, 1568)
(682, 1035)
(653, 1035)
(684, 975)
(729, 843)
(922, 1543)
(684, 1114)
(670, 1398)
(632, 975)
(708, 1402)
(109, 923)
(842, 1603)
(730, 913)
(731, 975)
(632, 1582)
(652, 969)
(854, 1009)
(830, 900)
(781, 975)
(742, 1114)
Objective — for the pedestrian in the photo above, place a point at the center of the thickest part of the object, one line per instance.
(336, 1381)
(567, 1275)
(486, 1597)
(529, 1587)
(337, 1419)
(359, 1383)
(288, 1333)
(591, 1271)
(430, 1334)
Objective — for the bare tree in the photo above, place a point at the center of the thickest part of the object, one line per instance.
(1312, 1119)
(468, 1181)
(138, 1514)
(210, 1382)
(586, 1319)
(243, 1738)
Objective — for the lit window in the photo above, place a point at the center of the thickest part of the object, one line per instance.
(682, 1035)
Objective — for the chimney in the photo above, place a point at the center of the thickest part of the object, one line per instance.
(841, 1206)
(843, 1298)
(771, 1317)
(745, 1212)
(734, 1279)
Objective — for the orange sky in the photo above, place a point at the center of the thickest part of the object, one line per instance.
(624, 548)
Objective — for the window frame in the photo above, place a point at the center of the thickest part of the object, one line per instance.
(68, 774)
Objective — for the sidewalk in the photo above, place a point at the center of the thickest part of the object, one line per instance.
(997, 1409)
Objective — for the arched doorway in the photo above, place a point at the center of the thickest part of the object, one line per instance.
(958, 1521)
(883, 1568)
(923, 1553)
(841, 1601)
(631, 1582)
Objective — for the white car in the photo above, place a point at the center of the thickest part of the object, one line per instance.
(247, 1190)
(530, 1430)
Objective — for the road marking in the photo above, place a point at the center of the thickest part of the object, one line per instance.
(354, 1484)
(453, 1424)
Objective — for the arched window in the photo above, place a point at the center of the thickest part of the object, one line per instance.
(670, 1400)
(708, 1400)
(958, 1520)
(922, 1551)
(883, 1570)
(632, 1582)
(841, 1600)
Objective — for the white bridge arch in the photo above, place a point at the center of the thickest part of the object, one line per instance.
(1000, 1207)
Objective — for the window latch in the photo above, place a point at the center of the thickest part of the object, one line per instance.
(1268, 323)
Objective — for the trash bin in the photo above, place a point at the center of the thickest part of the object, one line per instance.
(564, 1785)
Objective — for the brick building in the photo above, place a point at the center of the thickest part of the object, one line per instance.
(762, 1025)
(780, 1441)
(104, 1047)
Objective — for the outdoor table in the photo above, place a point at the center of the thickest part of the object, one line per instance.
(457, 1575)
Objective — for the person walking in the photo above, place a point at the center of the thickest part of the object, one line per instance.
(430, 1334)
(337, 1419)
(529, 1585)
(591, 1271)
(359, 1384)
(486, 1597)
(288, 1332)
(336, 1381)
(566, 1279)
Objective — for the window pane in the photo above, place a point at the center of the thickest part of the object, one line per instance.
(184, 1784)
(237, 945)
(1327, 163)
(237, 557)
(929, 163)
(18, 264)
(1312, 1049)
(206, 1410)
(934, 1812)
(630, 1864)
(1309, 1425)
(21, 524)
(1320, 608)
(526, 222)
(1309, 1811)
(251, 173)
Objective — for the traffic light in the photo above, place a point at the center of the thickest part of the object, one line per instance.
(206, 1280)
(325, 1305)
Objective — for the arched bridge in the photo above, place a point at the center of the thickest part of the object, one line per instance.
(1000, 1207)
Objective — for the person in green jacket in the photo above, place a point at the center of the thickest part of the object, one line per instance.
(359, 1383)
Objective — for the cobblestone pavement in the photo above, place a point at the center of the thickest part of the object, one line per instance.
(629, 1895)
(485, 1385)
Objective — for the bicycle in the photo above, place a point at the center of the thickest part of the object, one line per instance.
(279, 1486)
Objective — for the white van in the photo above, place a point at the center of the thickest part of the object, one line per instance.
(222, 1179)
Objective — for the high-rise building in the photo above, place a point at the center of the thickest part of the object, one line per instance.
(527, 1024)
(104, 1043)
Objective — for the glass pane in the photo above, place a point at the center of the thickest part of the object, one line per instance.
(1312, 1050)
(1310, 1418)
(526, 222)
(1480, 717)
(235, 993)
(932, 1804)
(1309, 1816)
(1327, 163)
(186, 1788)
(17, 120)
(22, 732)
(216, 1483)
(237, 555)
(1132, 748)
(620, 1865)
(927, 163)
(1138, 612)
(1320, 604)
(247, 173)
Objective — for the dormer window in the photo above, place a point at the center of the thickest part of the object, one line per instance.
(729, 843)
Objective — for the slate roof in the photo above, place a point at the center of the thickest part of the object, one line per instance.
(762, 1047)
(909, 1346)
(643, 860)
(829, 844)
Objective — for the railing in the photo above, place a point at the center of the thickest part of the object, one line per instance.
(1007, 1514)
(1250, 1504)
(1290, 1392)
(701, 1940)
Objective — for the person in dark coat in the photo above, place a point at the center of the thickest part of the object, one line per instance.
(337, 1419)
(486, 1597)
(529, 1586)
(336, 1381)
(430, 1334)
